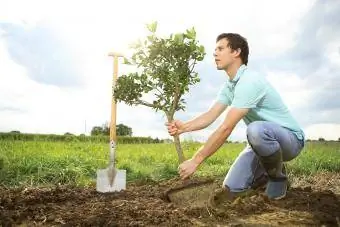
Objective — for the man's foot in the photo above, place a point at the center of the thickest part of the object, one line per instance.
(261, 182)
(277, 188)
(277, 183)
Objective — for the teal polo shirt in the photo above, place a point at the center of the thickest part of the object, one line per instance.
(251, 90)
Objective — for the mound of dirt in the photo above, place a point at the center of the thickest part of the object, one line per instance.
(148, 205)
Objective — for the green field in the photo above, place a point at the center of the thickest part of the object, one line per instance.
(36, 163)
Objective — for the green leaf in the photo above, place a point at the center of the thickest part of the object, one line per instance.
(179, 38)
(150, 38)
(191, 33)
(126, 61)
(201, 49)
(152, 27)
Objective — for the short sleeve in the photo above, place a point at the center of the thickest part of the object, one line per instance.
(224, 95)
(249, 93)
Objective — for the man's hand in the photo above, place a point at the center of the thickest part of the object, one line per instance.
(175, 127)
(187, 168)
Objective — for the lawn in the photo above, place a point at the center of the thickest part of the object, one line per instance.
(36, 163)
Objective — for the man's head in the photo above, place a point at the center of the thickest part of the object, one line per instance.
(230, 48)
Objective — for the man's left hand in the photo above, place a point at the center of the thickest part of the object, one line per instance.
(187, 168)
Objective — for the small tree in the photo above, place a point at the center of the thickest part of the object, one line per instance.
(166, 70)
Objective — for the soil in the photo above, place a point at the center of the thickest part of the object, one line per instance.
(311, 201)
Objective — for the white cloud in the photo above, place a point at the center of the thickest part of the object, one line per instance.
(333, 52)
(326, 131)
(292, 88)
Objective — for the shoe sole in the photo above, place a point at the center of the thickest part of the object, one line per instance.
(279, 196)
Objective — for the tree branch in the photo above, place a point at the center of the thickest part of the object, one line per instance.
(176, 98)
(175, 101)
(160, 93)
(192, 66)
(141, 102)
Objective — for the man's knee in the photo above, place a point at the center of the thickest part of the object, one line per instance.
(261, 138)
(255, 133)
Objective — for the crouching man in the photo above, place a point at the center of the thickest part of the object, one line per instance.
(273, 135)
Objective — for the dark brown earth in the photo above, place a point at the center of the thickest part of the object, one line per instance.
(311, 201)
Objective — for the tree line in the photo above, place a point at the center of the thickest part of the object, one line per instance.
(69, 137)
(98, 134)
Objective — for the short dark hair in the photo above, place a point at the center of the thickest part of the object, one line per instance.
(236, 41)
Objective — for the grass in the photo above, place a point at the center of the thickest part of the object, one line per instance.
(75, 163)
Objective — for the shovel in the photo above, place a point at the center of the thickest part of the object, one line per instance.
(112, 179)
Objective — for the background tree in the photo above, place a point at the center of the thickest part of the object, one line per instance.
(68, 134)
(165, 72)
(15, 132)
(121, 130)
(106, 128)
(96, 131)
(321, 139)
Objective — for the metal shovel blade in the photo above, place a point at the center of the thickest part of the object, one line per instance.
(105, 183)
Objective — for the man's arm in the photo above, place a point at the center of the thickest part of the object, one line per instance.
(217, 139)
(214, 142)
(205, 119)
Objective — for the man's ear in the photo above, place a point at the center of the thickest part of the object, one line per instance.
(237, 52)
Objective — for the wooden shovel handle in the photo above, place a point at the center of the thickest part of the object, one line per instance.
(113, 132)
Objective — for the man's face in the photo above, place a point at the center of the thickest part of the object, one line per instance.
(224, 55)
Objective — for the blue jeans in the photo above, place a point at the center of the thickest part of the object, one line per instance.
(266, 138)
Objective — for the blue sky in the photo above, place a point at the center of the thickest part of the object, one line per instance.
(55, 74)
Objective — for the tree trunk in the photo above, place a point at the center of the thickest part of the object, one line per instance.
(177, 142)
(179, 150)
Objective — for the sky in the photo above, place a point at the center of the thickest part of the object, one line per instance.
(56, 75)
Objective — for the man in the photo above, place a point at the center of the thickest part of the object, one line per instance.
(273, 134)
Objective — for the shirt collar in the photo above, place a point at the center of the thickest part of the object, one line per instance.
(239, 73)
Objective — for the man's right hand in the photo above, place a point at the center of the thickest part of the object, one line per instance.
(176, 127)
